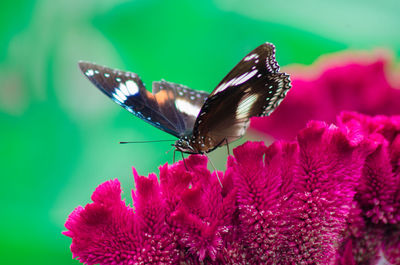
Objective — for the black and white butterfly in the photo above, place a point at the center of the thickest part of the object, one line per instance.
(201, 121)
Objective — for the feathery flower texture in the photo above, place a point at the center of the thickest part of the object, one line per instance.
(330, 197)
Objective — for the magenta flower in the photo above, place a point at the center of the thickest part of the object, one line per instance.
(330, 197)
(374, 228)
(348, 81)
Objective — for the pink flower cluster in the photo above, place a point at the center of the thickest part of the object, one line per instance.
(330, 197)
(342, 82)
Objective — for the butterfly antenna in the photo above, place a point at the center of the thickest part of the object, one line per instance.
(216, 171)
(169, 150)
(143, 142)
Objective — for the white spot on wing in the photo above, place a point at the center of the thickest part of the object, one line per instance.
(236, 81)
(89, 72)
(123, 89)
(251, 56)
(223, 86)
(132, 87)
(120, 95)
(244, 77)
(186, 107)
(245, 105)
(117, 98)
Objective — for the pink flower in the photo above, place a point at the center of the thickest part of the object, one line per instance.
(330, 197)
(347, 81)
(378, 191)
(293, 205)
(185, 218)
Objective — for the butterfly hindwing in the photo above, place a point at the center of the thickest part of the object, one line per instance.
(182, 103)
(126, 89)
(254, 87)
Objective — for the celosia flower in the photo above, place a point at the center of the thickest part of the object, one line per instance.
(375, 229)
(347, 81)
(330, 197)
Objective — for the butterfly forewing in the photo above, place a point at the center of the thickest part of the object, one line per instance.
(253, 88)
(261, 59)
(126, 89)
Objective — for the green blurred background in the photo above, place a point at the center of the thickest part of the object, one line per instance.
(59, 135)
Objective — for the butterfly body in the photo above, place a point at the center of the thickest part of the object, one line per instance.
(201, 121)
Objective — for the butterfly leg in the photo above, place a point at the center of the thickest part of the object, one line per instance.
(173, 157)
(227, 146)
(216, 171)
(184, 162)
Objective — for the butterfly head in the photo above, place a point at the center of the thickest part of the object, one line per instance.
(183, 145)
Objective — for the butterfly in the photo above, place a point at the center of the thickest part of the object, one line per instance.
(201, 121)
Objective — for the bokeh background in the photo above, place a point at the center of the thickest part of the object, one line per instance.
(59, 135)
